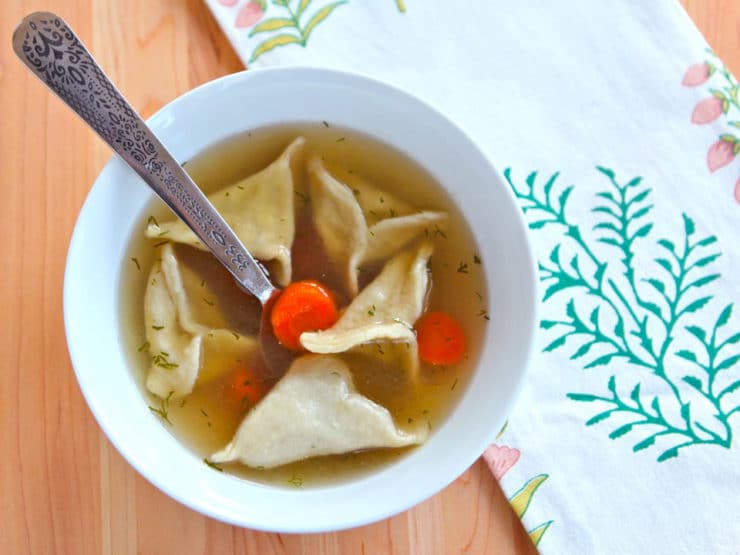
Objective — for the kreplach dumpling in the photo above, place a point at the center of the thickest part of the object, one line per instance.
(260, 211)
(359, 223)
(314, 410)
(384, 311)
(176, 341)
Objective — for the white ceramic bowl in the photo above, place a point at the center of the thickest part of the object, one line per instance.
(253, 99)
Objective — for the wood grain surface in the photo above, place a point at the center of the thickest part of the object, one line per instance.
(63, 488)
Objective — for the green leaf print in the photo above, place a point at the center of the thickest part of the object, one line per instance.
(290, 25)
(648, 320)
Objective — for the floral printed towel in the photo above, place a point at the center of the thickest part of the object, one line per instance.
(619, 132)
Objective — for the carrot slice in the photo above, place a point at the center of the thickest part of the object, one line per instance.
(246, 387)
(302, 306)
(441, 339)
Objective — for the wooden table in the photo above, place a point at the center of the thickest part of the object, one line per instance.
(63, 487)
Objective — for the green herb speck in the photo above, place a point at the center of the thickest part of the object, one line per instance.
(135, 261)
(214, 466)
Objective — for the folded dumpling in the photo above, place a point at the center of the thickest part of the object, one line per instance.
(313, 410)
(358, 223)
(384, 312)
(260, 211)
(176, 341)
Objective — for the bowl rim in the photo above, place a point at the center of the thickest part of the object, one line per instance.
(463, 462)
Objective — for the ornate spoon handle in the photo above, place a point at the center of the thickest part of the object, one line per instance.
(54, 53)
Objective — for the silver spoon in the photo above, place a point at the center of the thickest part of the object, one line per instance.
(54, 53)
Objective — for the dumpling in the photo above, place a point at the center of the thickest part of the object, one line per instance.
(260, 211)
(176, 341)
(359, 223)
(314, 410)
(384, 311)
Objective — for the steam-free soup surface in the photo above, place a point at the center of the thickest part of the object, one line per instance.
(207, 419)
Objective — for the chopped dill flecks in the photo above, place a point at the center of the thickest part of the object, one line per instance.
(454, 385)
(372, 213)
(410, 420)
(326, 124)
(462, 268)
(144, 347)
(356, 192)
(214, 466)
(302, 196)
(392, 213)
(340, 139)
(296, 481)
(240, 187)
(480, 297)
(202, 283)
(382, 200)
(227, 193)
(157, 245)
(157, 328)
(163, 233)
(162, 360)
(371, 311)
(184, 400)
(236, 335)
(204, 413)
(429, 424)
(425, 412)
(372, 233)
(380, 349)
(163, 410)
(136, 261)
(209, 303)
(483, 312)
(152, 220)
(476, 259)
(438, 231)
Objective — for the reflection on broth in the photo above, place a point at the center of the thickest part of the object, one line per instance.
(195, 346)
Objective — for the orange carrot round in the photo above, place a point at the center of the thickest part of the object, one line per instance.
(302, 306)
(440, 338)
(246, 387)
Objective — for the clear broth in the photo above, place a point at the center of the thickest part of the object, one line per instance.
(208, 418)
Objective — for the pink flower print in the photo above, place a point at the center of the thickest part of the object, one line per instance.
(696, 75)
(500, 459)
(228, 3)
(707, 110)
(737, 191)
(249, 14)
(720, 154)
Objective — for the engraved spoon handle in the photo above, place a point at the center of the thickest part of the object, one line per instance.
(54, 53)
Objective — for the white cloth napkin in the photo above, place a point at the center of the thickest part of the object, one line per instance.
(619, 130)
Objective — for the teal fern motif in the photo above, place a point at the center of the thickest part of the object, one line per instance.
(639, 322)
